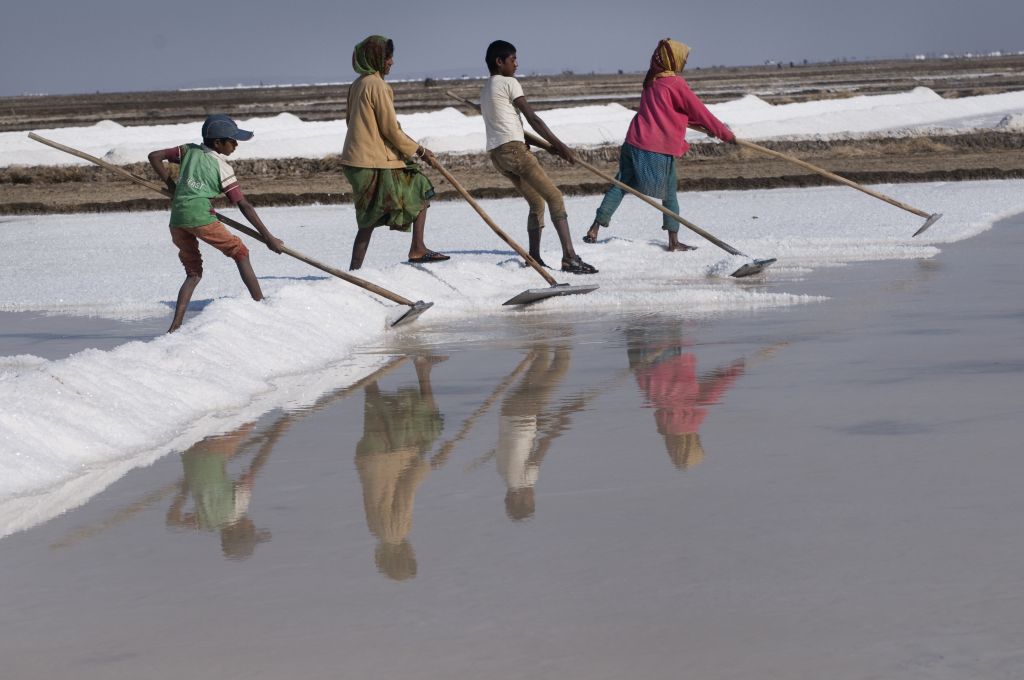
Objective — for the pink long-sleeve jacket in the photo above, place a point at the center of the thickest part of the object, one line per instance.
(667, 107)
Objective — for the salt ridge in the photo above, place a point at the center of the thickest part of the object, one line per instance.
(450, 130)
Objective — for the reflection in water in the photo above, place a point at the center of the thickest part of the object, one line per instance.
(399, 429)
(667, 376)
(221, 502)
(526, 430)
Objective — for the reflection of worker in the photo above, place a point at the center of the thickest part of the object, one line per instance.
(667, 376)
(220, 502)
(519, 451)
(399, 429)
(219, 450)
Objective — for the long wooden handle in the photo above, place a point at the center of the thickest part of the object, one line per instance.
(355, 280)
(650, 201)
(543, 144)
(439, 458)
(832, 176)
(497, 230)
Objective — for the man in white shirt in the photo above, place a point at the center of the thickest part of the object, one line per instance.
(501, 102)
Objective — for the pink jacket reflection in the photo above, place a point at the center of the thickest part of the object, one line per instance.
(671, 387)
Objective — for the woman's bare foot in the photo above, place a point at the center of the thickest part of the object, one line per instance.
(675, 245)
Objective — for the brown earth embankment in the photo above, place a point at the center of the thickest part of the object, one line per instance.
(301, 181)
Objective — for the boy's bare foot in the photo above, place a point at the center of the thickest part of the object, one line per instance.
(591, 235)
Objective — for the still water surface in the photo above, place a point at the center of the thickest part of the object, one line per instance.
(821, 491)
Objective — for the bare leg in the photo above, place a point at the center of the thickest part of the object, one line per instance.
(535, 235)
(417, 248)
(562, 228)
(424, 364)
(359, 248)
(249, 278)
(184, 296)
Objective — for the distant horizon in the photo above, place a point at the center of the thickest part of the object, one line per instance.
(465, 74)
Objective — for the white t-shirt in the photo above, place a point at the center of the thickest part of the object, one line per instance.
(501, 117)
(515, 442)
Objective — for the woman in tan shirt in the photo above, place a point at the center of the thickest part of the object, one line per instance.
(387, 186)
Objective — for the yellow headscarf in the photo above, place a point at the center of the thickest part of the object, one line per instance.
(684, 450)
(669, 58)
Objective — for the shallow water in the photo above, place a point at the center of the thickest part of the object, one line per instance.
(56, 337)
(827, 490)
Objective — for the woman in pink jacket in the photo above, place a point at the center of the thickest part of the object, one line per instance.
(656, 137)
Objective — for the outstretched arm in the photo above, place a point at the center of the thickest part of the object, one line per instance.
(713, 386)
(273, 242)
(702, 119)
(557, 147)
(709, 133)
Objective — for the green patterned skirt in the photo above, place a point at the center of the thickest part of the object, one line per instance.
(388, 196)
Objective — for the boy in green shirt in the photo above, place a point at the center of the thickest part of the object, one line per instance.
(204, 175)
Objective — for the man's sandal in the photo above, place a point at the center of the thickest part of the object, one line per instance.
(574, 265)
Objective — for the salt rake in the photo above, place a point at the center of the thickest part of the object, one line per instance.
(415, 308)
(749, 269)
(530, 295)
(932, 218)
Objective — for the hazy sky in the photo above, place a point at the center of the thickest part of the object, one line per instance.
(63, 46)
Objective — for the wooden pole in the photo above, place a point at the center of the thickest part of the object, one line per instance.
(345, 276)
(832, 176)
(497, 230)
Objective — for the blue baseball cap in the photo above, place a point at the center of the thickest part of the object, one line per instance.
(220, 126)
